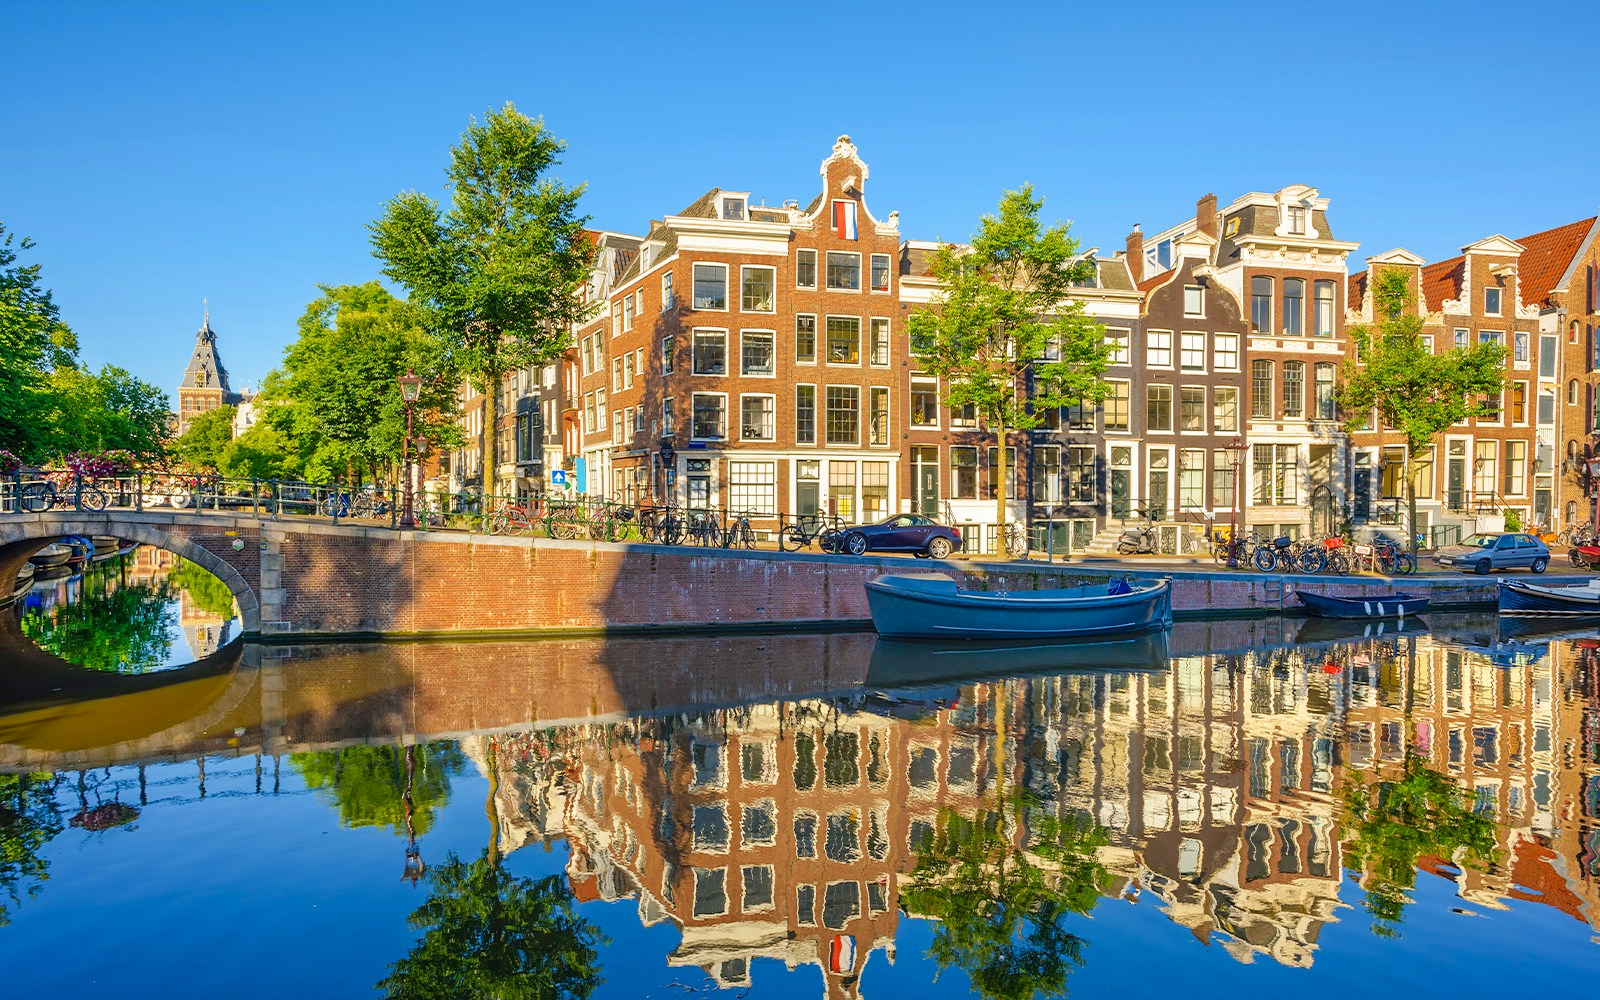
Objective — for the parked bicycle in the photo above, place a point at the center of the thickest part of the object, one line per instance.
(739, 534)
(509, 519)
(41, 496)
(796, 533)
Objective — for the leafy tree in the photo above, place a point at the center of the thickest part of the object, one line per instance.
(106, 411)
(124, 629)
(1389, 825)
(262, 452)
(34, 343)
(208, 436)
(368, 783)
(29, 818)
(1411, 387)
(489, 934)
(499, 273)
(1003, 332)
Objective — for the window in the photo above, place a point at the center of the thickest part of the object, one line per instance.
(1484, 460)
(1192, 408)
(1493, 408)
(878, 426)
(844, 414)
(963, 473)
(1158, 408)
(805, 414)
(597, 345)
(710, 352)
(880, 272)
(805, 268)
(844, 271)
(1547, 357)
(1547, 408)
(842, 501)
(666, 354)
(583, 356)
(844, 340)
(1011, 472)
(1516, 468)
(669, 427)
(710, 416)
(1294, 388)
(1325, 399)
(1490, 337)
(964, 415)
(1194, 300)
(667, 302)
(1225, 352)
(757, 886)
(753, 486)
(599, 409)
(1116, 405)
(1117, 344)
(1261, 390)
(1260, 305)
(733, 209)
(875, 490)
(1193, 352)
(710, 892)
(880, 342)
(1081, 474)
(711, 286)
(1491, 301)
(1225, 409)
(616, 374)
(1297, 220)
(1519, 346)
(758, 287)
(924, 402)
(1158, 349)
(1572, 392)
(627, 371)
(756, 352)
(1519, 402)
(619, 422)
(1294, 296)
(1047, 474)
(1079, 417)
(1191, 479)
(1322, 309)
(756, 418)
(1461, 338)
(1222, 478)
(1276, 474)
(627, 313)
(805, 340)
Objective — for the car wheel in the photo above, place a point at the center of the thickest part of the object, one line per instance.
(938, 548)
(1539, 564)
(855, 543)
(1483, 567)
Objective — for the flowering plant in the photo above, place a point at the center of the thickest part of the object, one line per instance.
(9, 463)
(91, 465)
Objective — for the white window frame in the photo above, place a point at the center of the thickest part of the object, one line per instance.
(827, 348)
(771, 415)
(1185, 339)
(888, 273)
(772, 340)
(1217, 352)
(814, 334)
(822, 416)
(694, 281)
(1151, 346)
(696, 437)
(1200, 293)
(815, 418)
(919, 386)
(1499, 300)
(828, 284)
(668, 301)
(772, 273)
(1119, 344)
(872, 342)
(815, 273)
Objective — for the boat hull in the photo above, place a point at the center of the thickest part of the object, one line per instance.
(906, 662)
(931, 606)
(1388, 606)
(1530, 599)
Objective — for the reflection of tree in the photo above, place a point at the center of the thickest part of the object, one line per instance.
(1002, 910)
(370, 784)
(208, 593)
(29, 817)
(487, 933)
(124, 629)
(1390, 825)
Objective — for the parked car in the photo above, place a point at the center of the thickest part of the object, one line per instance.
(903, 533)
(1488, 551)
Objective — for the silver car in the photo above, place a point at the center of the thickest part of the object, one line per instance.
(1488, 551)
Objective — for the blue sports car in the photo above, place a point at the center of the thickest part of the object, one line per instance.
(903, 533)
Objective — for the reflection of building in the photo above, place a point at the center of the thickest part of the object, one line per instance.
(205, 631)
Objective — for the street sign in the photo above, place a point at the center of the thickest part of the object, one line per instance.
(558, 477)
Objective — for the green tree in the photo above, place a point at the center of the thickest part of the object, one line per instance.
(29, 818)
(208, 593)
(1421, 392)
(262, 452)
(1391, 824)
(368, 784)
(1003, 331)
(208, 436)
(499, 273)
(86, 411)
(124, 629)
(34, 343)
(489, 934)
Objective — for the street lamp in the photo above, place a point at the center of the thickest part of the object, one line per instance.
(410, 389)
(1236, 453)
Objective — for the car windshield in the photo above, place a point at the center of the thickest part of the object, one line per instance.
(1480, 541)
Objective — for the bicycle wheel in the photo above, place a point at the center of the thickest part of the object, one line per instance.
(36, 498)
(92, 498)
(1313, 561)
(1338, 563)
(747, 535)
(496, 523)
(1405, 564)
(1219, 553)
(1384, 562)
(1265, 558)
(599, 527)
(672, 532)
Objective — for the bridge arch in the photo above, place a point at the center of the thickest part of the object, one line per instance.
(22, 536)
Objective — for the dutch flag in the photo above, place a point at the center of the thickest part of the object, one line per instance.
(842, 956)
(844, 220)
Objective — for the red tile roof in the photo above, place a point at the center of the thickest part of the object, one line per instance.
(1442, 281)
(1356, 290)
(1547, 257)
(1156, 279)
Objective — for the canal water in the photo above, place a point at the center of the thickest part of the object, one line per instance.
(1237, 806)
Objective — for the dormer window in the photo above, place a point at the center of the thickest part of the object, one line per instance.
(1194, 300)
(733, 209)
(1297, 220)
(1491, 301)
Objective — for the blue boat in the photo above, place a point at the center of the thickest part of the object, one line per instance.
(1383, 606)
(929, 605)
(1582, 600)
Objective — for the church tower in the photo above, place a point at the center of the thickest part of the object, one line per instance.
(205, 381)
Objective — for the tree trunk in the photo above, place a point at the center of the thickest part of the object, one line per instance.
(491, 416)
(490, 806)
(999, 472)
(1411, 502)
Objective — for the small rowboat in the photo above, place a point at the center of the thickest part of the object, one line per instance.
(1536, 599)
(1384, 606)
(929, 605)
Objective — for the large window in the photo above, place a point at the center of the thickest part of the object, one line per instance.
(880, 342)
(805, 340)
(1158, 408)
(1081, 474)
(1485, 474)
(844, 271)
(1116, 406)
(843, 414)
(1225, 409)
(756, 421)
(880, 272)
(1011, 472)
(1193, 352)
(756, 352)
(878, 426)
(711, 286)
(1294, 303)
(963, 472)
(805, 268)
(758, 287)
(1516, 468)
(1275, 474)
(1117, 343)
(1191, 479)
(1261, 305)
(924, 402)
(1158, 349)
(874, 490)
(1261, 390)
(710, 352)
(1294, 388)
(1047, 474)
(1222, 478)
(805, 414)
(1225, 352)
(1547, 357)
(1322, 309)
(844, 340)
(710, 416)
(1192, 408)
(753, 487)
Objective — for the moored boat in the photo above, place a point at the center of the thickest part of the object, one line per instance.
(897, 662)
(105, 547)
(54, 554)
(1382, 606)
(1537, 599)
(25, 577)
(929, 605)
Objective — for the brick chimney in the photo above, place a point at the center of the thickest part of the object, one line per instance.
(1205, 216)
(1136, 254)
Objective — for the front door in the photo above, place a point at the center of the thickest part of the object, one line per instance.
(1120, 481)
(925, 475)
(1455, 482)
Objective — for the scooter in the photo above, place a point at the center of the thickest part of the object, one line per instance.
(1139, 540)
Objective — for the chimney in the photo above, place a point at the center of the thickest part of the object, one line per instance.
(1136, 254)
(1205, 216)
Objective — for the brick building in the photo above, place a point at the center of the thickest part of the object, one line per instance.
(205, 382)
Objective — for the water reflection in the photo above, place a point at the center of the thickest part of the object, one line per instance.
(786, 798)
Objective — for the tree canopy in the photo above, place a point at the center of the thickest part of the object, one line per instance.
(30, 817)
(499, 272)
(208, 436)
(1003, 333)
(368, 783)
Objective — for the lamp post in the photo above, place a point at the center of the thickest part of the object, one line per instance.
(1236, 451)
(410, 389)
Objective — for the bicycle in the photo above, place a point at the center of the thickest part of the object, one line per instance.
(739, 533)
(1015, 538)
(704, 529)
(562, 520)
(508, 518)
(799, 532)
(41, 496)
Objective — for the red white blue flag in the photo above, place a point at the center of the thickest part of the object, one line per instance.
(844, 220)
(842, 956)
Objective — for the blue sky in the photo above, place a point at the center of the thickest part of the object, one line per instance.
(159, 153)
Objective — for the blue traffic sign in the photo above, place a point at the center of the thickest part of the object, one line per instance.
(558, 477)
